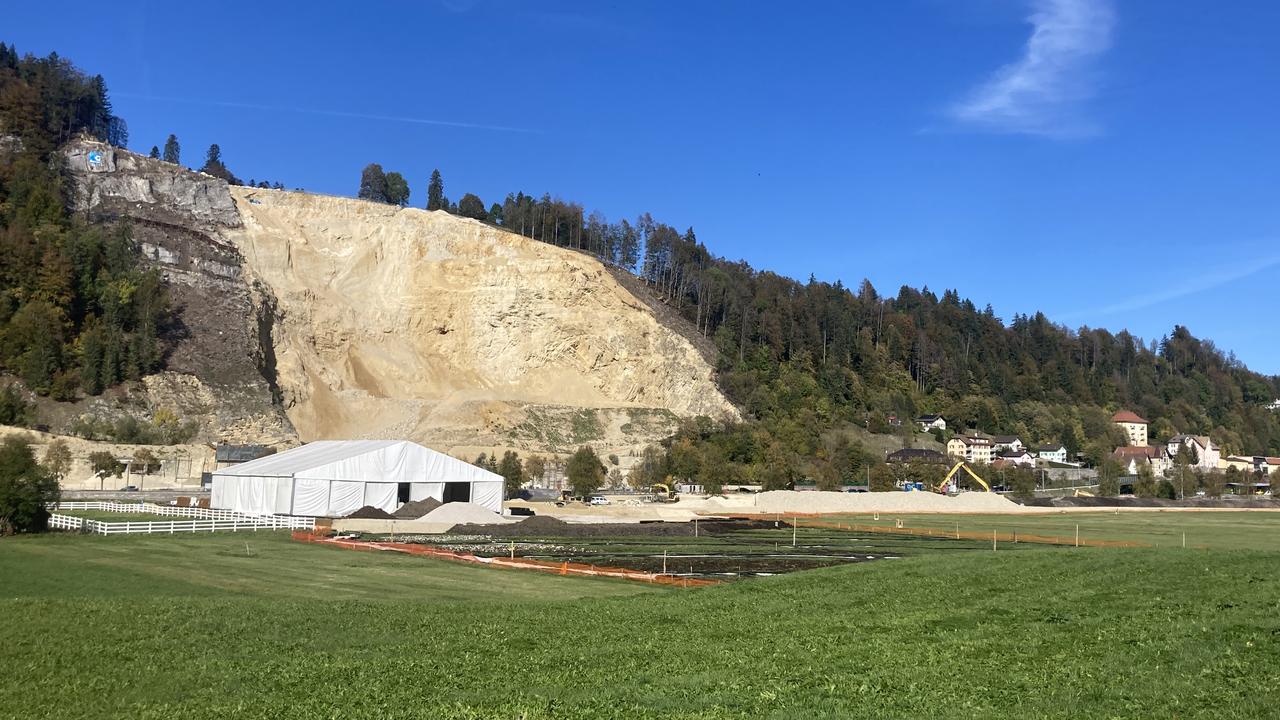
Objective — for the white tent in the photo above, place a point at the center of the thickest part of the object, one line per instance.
(335, 477)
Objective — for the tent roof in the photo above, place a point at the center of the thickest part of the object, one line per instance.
(322, 453)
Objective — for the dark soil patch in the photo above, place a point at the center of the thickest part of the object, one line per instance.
(542, 526)
(416, 509)
(369, 512)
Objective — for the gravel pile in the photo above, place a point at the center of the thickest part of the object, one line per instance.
(459, 513)
(785, 501)
(369, 512)
(416, 509)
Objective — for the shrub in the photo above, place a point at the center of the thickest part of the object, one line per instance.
(26, 489)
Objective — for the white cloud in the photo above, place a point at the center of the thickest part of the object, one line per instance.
(1037, 94)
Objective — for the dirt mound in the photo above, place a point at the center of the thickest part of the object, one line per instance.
(369, 512)
(416, 509)
(549, 527)
(785, 501)
(463, 512)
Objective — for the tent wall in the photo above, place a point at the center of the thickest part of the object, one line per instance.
(310, 497)
(335, 478)
(381, 496)
(345, 498)
(487, 494)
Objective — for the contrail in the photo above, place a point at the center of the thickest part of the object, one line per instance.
(329, 113)
(1207, 282)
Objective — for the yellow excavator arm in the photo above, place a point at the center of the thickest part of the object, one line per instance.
(942, 486)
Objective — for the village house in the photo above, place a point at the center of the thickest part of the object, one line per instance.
(1135, 427)
(1253, 463)
(1019, 458)
(1052, 453)
(971, 448)
(1007, 443)
(1206, 453)
(931, 422)
(1131, 458)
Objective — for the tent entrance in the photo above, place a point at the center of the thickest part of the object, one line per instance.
(457, 492)
(402, 493)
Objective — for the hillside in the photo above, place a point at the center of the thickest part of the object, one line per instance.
(367, 320)
(398, 322)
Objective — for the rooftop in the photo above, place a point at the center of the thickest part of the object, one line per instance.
(1125, 416)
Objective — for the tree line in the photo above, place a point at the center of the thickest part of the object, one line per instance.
(805, 359)
(78, 312)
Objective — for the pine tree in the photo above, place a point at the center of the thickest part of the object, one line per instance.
(172, 150)
(155, 153)
(373, 184)
(435, 192)
(397, 189)
(472, 207)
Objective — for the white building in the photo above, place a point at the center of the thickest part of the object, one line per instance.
(931, 422)
(1207, 454)
(1052, 453)
(1007, 443)
(1134, 427)
(333, 478)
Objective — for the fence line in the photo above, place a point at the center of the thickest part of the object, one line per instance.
(557, 568)
(810, 520)
(275, 521)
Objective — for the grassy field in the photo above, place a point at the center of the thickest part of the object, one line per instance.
(1236, 530)
(257, 626)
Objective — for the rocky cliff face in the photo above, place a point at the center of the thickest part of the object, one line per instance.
(364, 320)
(397, 322)
(216, 363)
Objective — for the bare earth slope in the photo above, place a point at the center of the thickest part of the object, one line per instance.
(392, 322)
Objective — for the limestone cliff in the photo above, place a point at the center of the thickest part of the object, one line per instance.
(396, 322)
(358, 319)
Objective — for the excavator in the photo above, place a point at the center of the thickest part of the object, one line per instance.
(946, 481)
(662, 492)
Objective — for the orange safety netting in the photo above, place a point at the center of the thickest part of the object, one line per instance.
(515, 563)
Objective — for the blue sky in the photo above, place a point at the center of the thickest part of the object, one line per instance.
(1113, 164)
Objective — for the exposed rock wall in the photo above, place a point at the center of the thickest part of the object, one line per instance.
(399, 322)
(363, 320)
(215, 362)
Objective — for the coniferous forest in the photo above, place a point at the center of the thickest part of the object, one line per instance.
(77, 311)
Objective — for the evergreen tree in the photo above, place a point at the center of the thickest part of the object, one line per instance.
(585, 471)
(213, 165)
(512, 472)
(373, 184)
(397, 189)
(155, 153)
(172, 150)
(435, 193)
(472, 207)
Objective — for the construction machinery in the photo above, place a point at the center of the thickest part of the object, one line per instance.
(663, 492)
(946, 481)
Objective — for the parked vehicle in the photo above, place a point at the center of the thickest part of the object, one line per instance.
(129, 488)
(598, 500)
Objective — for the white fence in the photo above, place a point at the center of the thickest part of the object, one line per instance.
(206, 520)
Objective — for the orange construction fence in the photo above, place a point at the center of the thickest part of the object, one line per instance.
(513, 563)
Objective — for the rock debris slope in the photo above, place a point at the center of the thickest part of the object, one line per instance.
(395, 322)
